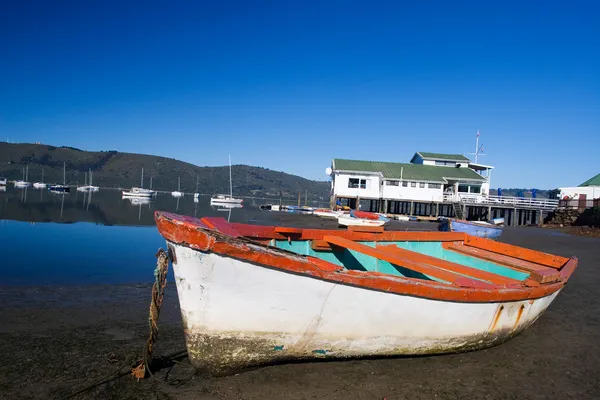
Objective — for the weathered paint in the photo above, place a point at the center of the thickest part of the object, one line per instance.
(238, 314)
(195, 234)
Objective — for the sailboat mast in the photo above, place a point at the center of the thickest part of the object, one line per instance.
(27, 173)
(142, 181)
(196, 183)
(179, 184)
(230, 183)
(64, 173)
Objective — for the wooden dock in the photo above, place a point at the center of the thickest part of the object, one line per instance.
(516, 211)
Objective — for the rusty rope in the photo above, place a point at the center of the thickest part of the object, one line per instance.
(158, 291)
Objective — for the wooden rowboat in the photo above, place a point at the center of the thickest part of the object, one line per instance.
(254, 295)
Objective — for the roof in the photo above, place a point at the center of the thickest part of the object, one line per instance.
(594, 181)
(409, 172)
(441, 156)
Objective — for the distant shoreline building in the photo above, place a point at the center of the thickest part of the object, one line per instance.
(583, 194)
(429, 177)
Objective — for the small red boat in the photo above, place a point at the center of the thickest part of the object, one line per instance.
(365, 215)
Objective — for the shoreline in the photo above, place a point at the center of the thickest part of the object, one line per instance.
(55, 340)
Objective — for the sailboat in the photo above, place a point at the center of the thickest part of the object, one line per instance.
(197, 194)
(219, 199)
(22, 183)
(40, 184)
(86, 187)
(139, 191)
(61, 188)
(178, 192)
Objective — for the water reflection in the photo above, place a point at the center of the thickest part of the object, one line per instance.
(109, 207)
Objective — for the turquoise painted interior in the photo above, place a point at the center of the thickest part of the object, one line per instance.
(354, 260)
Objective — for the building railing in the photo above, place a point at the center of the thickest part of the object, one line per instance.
(525, 202)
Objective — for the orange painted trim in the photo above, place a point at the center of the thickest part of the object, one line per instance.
(366, 228)
(450, 266)
(193, 233)
(521, 253)
(538, 273)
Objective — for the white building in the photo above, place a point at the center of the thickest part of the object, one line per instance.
(588, 190)
(429, 177)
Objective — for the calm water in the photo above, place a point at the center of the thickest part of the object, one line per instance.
(48, 239)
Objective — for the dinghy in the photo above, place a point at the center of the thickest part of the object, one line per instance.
(255, 295)
(476, 228)
(326, 213)
(349, 220)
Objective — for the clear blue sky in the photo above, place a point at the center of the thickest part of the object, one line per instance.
(288, 85)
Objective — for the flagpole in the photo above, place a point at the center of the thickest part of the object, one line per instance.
(477, 146)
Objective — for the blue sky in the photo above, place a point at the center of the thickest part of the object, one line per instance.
(289, 85)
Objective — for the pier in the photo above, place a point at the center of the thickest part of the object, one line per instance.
(516, 211)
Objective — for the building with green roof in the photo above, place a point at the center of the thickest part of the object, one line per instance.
(586, 192)
(427, 177)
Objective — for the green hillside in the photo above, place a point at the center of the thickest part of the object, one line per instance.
(123, 170)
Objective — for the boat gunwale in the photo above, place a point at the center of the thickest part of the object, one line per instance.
(226, 241)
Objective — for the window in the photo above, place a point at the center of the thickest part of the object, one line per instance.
(435, 186)
(404, 184)
(446, 163)
(421, 184)
(474, 189)
(413, 184)
(355, 183)
(393, 183)
(463, 188)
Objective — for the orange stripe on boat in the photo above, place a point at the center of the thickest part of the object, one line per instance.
(454, 267)
(538, 257)
(539, 273)
(194, 234)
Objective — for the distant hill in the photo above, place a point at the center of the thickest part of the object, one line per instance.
(123, 170)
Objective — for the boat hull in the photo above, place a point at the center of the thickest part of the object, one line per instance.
(488, 231)
(226, 201)
(347, 220)
(237, 314)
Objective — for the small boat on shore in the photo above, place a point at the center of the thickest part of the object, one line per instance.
(349, 220)
(254, 295)
(3, 181)
(475, 228)
(326, 213)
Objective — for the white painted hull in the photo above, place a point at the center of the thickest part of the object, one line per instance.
(137, 192)
(21, 184)
(226, 200)
(347, 220)
(39, 185)
(237, 314)
(328, 214)
(177, 194)
(88, 189)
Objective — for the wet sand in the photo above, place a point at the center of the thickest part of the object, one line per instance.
(56, 340)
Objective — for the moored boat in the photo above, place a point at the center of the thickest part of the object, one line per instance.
(254, 295)
(326, 213)
(476, 228)
(349, 220)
